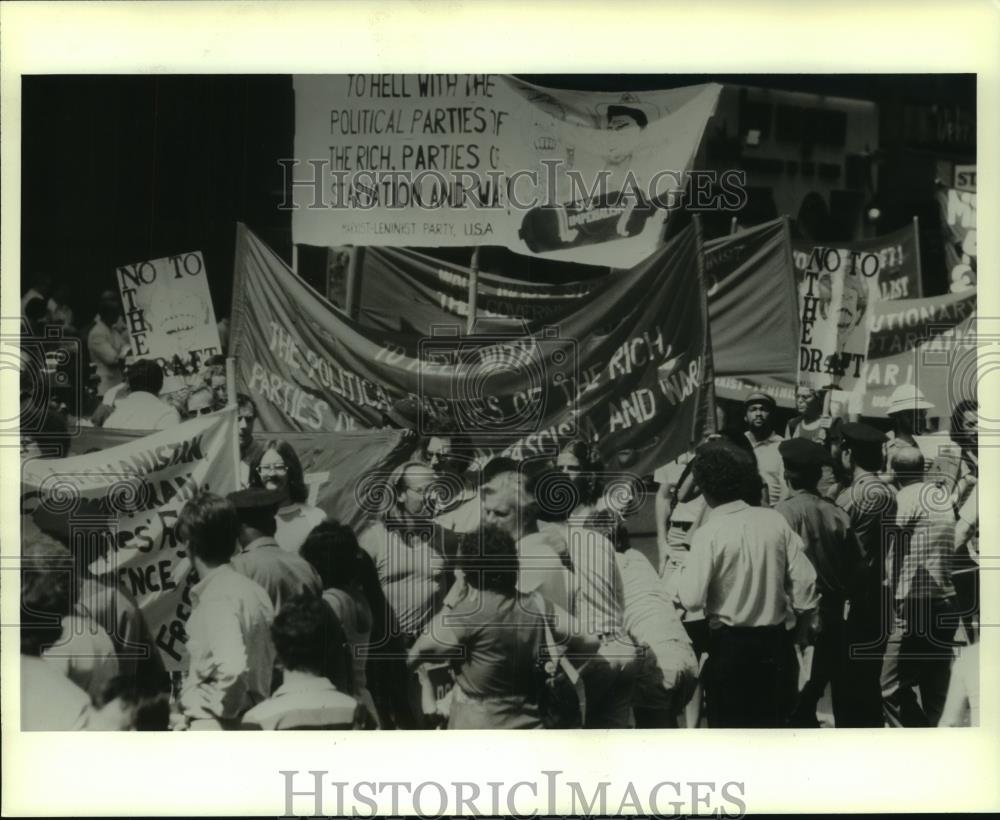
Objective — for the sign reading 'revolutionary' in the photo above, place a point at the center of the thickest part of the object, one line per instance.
(479, 159)
(168, 311)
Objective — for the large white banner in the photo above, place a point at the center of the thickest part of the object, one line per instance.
(168, 312)
(139, 488)
(466, 159)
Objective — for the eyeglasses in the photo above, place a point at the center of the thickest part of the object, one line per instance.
(202, 411)
(278, 469)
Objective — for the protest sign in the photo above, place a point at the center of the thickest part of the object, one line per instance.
(958, 226)
(836, 292)
(625, 364)
(137, 489)
(898, 255)
(479, 159)
(168, 312)
(928, 342)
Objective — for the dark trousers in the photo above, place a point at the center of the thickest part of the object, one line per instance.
(829, 666)
(918, 655)
(750, 677)
(866, 632)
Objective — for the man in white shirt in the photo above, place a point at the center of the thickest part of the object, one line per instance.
(231, 656)
(760, 433)
(142, 409)
(749, 572)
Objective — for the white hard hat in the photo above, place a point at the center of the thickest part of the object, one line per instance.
(907, 397)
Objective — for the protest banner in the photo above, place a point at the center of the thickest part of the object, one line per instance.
(926, 342)
(168, 312)
(898, 255)
(136, 490)
(333, 463)
(958, 225)
(478, 159)
(624, 366)
(837, 291)
(749, 280)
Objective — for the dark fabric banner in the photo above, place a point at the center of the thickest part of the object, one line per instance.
(624, 364)
(334, 463)
(893, 258)
(752, 306)
(403, 290)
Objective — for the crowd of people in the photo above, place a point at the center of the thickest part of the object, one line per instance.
(833, 558)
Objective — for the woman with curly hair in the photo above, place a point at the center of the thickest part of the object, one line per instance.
(277, 467)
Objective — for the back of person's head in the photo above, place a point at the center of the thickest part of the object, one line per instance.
(907, 465)
(208, 524)
(332, 549)
(489, 560)
(865, 455)
(138, 706)
(302, 631)
(723, 471)
(146, 376)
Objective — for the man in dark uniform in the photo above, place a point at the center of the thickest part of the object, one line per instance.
(833, 548)
(871, 505)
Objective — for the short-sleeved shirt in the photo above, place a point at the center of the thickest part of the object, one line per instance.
(305, 702)
(502, 637)
(770, 465)
(926, 521)
(295, 522)
(411, 570)
(969, 513)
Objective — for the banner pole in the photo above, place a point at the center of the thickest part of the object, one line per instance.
(709, 378)
(470, 320)
(920, 269)
(328, 279)
(230, 381)
(733, 226)
(295, 259)
(354, 280)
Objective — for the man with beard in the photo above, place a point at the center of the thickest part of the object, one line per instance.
(246, 414)
(759, 417)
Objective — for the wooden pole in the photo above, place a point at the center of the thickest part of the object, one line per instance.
(709, 375)
(470, 320)
(295, 258)
(230, 381)
(920, 269)
(354, 281)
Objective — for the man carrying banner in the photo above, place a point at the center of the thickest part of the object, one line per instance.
(231, 656)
